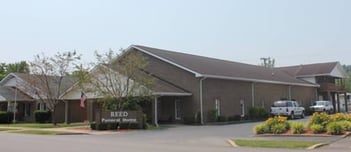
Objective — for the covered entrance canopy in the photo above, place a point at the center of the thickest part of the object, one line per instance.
(170, 94)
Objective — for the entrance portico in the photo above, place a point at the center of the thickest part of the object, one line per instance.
(168, 107)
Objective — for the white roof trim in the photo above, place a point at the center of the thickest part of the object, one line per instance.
(258, 80)
(197, 74)
(171, 94)
(2, 98)
(314, 75)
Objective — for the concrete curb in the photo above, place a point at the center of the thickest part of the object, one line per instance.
(346, 134)
(232, 143)
(316, 146)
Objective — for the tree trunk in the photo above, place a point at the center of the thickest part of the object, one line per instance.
(53, 118)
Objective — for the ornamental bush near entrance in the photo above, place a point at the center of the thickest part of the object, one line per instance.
(6, 117)
(318, 123)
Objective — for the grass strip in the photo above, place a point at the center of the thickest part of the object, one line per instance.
(275, 143)
(7, 129)
(43, 125)
(40, 132)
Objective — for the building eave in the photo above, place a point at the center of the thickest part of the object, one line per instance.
(171, 94)
(259, 81)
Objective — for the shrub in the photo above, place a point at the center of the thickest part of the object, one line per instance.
(261, 129)
(341, 117)
(270, 122)
(234, 118)
(212, 115)
(42, 116)
(93, 126)
(144, 123)
(317, 128)
(334, 128)
(258, 113)
(221, 118)
(346, 125)
(297, 127)
(112, 126)
(101, 126)
(319, 118)
(278, 128)
(6, 117)
(195, 119)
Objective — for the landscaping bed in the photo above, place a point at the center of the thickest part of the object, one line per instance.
(320, 124)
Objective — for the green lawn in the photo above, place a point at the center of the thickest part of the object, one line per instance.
(7, 129)
(275, 144)
(40, 132)
(42, 125)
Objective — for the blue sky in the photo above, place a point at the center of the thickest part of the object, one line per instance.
(293, 32)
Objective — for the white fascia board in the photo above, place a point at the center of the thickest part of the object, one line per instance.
(197, 74)
(2, 98)
(314, 75)
(171, 94)
(261, 81)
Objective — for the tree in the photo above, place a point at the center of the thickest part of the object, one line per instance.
(51, 76)
(268, 62)
(347, 68)
(20, 67)
(119, 78)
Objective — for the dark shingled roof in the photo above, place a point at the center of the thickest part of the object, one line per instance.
(211, 67)
(34, 80)
(158, 86)
(9, 94)
(309, 69)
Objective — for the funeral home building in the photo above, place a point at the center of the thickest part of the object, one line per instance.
(189, 86)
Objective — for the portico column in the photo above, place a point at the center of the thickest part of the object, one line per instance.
(155, 108)
(338, 101)
(8, 106)
(346, 104)
(66, 112)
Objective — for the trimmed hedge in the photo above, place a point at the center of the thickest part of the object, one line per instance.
(42, 116)
(6, 117)
(258, 113)
(115, 126)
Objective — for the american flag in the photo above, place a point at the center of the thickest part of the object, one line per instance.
(83, 98)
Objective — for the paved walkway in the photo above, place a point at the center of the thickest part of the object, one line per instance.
(195, 136)
(68, 130)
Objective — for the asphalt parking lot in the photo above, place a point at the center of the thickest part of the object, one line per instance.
(177, 138)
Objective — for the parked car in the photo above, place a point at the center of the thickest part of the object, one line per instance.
(287, 108)
(322, 106)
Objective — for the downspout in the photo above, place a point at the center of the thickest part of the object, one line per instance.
(289, 92)
(201, 101)
(253, 94)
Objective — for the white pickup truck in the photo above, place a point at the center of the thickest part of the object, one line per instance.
(287, 108)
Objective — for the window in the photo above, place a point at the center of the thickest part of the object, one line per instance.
(41, 106)
(289, 104)
(218, 107)
(27, 109)
(11, 107)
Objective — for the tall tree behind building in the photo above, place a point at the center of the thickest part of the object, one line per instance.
(347, 68)
(20, 67)
(268, 62)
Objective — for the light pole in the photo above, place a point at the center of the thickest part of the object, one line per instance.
(15, 105)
